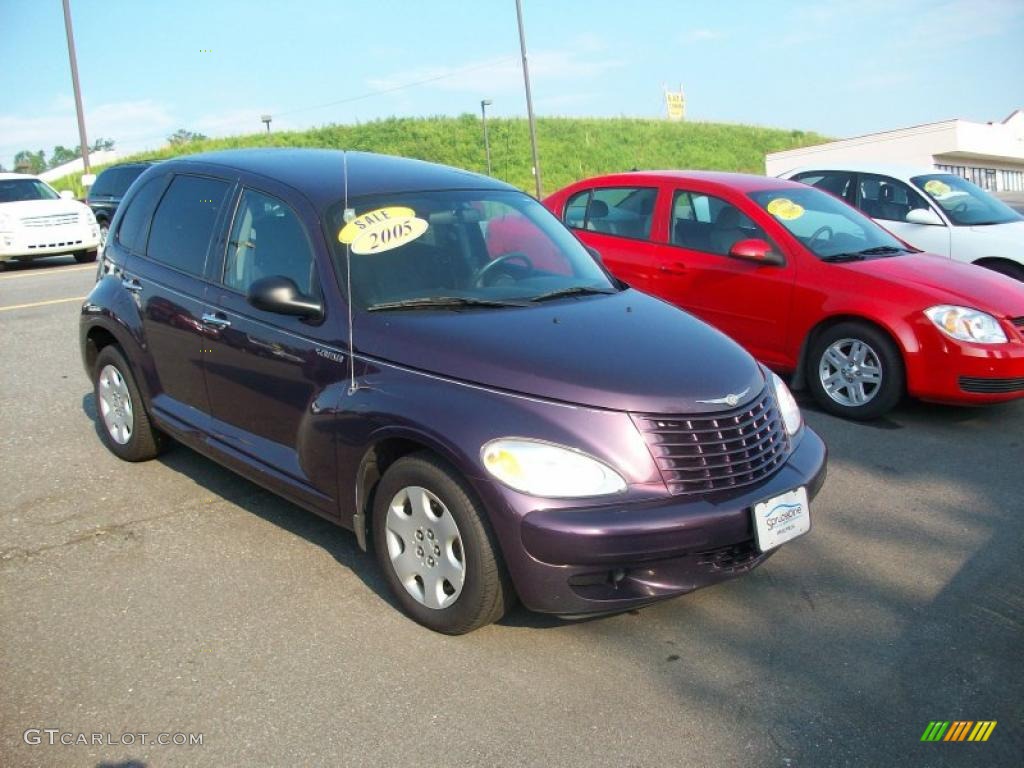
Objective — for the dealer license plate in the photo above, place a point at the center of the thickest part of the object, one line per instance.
(781, 519)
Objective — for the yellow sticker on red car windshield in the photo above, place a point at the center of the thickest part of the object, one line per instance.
(382, 229)
(785, 208)
(937, 188)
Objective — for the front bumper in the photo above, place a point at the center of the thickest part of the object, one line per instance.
(611, 558)
(949, 371)
(29, 243)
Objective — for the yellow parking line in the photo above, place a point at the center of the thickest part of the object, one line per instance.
(44, 273)
(41, 303)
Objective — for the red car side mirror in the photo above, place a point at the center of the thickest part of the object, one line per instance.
(756, 250)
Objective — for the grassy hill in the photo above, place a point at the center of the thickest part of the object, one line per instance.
(570, 148)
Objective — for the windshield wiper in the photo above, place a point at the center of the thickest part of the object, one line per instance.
(576, 290)
(434, 302)
(878, 250)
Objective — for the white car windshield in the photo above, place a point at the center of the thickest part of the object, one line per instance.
(15, 190)
(965, 204)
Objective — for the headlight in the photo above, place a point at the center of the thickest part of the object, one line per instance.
(6, 222)
(966, 324)
(551, 471)
(90, 217)
(791, 415)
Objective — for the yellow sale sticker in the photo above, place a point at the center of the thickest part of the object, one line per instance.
(785, 208)
(382, 229)
(937, 188)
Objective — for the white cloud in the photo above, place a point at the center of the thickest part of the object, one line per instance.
(698, 35)
(504, 74)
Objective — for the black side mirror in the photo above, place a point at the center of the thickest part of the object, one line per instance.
(595, 253)
(280, 295)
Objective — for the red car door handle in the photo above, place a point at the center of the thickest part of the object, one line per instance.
(675, 268)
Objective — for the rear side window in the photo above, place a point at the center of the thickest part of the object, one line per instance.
(114, 182)
(134, 225)
(268, 240)
(621, 211)
(837, 183)
(183, 223)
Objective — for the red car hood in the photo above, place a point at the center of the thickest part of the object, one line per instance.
(950, 282)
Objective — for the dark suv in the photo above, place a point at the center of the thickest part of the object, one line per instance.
(108, 190)
(512, 421)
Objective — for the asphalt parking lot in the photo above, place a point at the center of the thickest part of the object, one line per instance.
(175, 597)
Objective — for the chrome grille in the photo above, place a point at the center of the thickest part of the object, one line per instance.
(717, 451)
(55, 220)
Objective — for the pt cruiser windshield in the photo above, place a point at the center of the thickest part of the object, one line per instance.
(459, 249)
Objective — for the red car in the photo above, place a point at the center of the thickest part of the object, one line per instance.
(809, 285)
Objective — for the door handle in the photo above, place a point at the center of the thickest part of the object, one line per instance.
(216, 320)
(675, 268)
(131, 284)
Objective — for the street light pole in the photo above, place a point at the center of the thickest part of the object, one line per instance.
(484, 103)
(78, 91)
(529, 99)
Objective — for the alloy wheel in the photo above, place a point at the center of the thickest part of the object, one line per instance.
(425, 547)
(850, 372)
(116, 405)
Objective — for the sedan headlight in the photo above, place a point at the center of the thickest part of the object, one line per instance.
(6, 222)
(548, 470)
(90, 217)
(791, 415)
(965, 324)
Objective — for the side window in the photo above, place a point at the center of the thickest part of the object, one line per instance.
(621, 211)
(709, 224)
(881, 197)
(184, 221)
(268, 240)
(837, 183)
(576, 209)
(134, 225)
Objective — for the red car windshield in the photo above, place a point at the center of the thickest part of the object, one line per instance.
(828, 227)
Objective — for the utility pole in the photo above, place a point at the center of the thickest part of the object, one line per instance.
(529, 99)
(78, 91)
(484, 103)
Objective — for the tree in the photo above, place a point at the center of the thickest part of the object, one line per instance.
(63, 155)
(102, 145)
(181, 136)
(30, 162)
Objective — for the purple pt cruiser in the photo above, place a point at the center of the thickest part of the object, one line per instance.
(429, 358)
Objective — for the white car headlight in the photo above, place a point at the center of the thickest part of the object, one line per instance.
(966, 324)
(791, 415)
(6, 222)
(551, 471)
(90, 217)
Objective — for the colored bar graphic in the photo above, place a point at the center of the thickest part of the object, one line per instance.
(958, 730)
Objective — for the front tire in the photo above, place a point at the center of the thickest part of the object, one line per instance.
(435, 547)
(124, 425)
(854, 370)
(85, 257)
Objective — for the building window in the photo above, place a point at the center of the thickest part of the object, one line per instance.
(1012, 181)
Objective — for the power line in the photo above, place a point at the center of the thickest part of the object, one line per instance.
(392, 89)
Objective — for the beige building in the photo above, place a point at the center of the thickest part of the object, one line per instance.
(989, 154)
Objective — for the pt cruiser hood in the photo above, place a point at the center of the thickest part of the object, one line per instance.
(626, 351)
(950, 282)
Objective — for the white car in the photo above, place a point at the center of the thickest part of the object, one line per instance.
(36, 221)
(937, 212)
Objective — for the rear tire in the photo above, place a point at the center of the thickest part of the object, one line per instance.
(854, 370)
(123, 422)
(435, 547)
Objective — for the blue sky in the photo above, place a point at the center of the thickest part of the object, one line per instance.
(839, 67)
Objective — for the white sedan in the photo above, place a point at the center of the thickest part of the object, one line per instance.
(36, 221)
(937, 212)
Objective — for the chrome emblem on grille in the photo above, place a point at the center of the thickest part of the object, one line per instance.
(729, 400)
